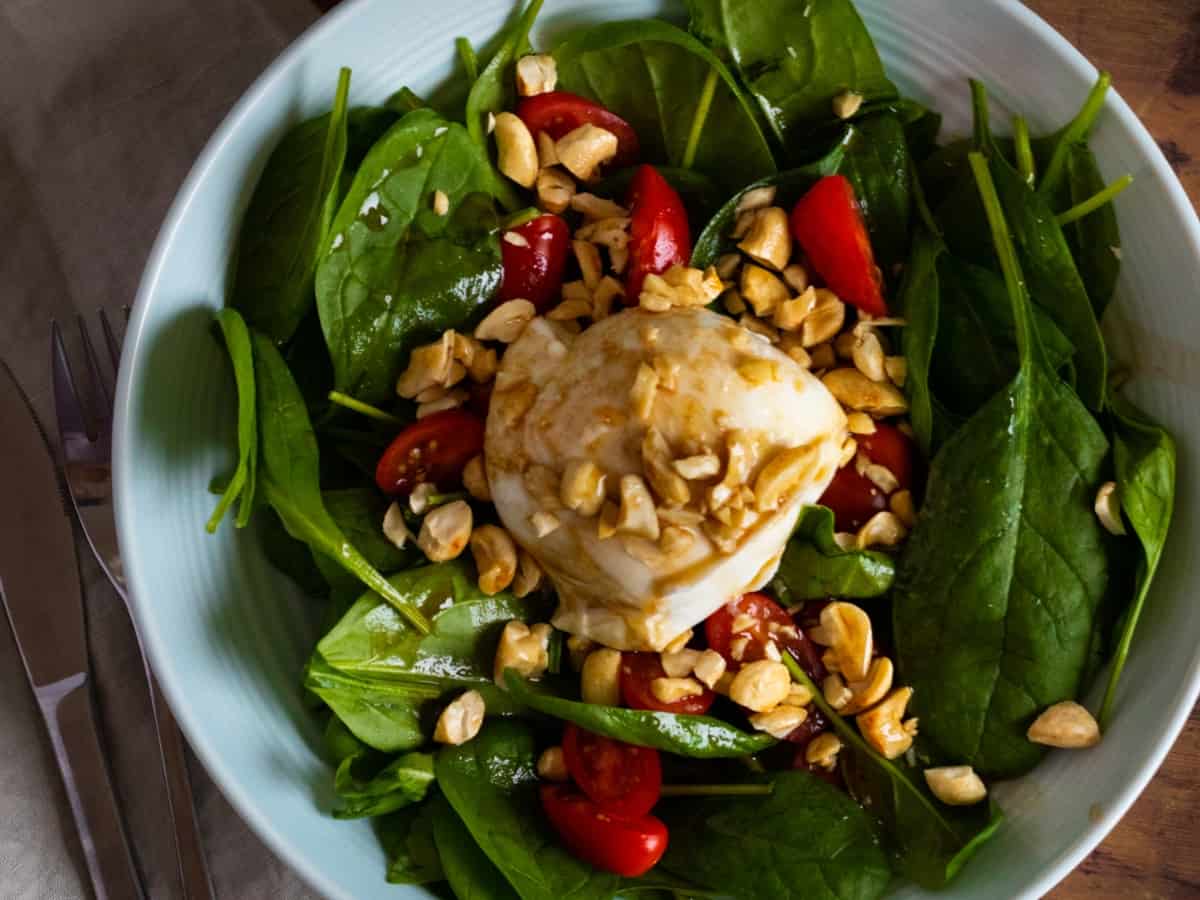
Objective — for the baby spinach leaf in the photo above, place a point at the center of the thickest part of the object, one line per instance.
(365, 789)
(701, 737)
(680, 99)
(289, 475)
(1144, 458)
(382, 677)
(806, 840)
(243, 484)
(919, 302)
(878, 166)
(364, 126)
(813, 564)
(998, 585)
(794, 56)
(396, 272)
(283, 232)
(495, 89)
(407, 838)
(470, 873)
(291, 557)
(359, 513)
(492, 785)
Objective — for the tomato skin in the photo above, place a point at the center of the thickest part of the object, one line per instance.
(622, 779)
(854, 498)
(560, 112)
(638, 670)
(659, 235)
(535, 272)
(433, 449)
(828, 224)
(627, 846)
(718, 629)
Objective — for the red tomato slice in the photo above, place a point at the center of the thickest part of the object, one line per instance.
(638, 671)
(620, 778)
(770, 623)
(433, 449)
(627, 846)
(534, 272)
(828, 224)
(855, 498)
(659, 236)
(559, 112)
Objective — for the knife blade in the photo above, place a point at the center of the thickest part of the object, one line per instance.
(40, 588)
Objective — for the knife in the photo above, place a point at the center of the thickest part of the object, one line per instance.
(40, 588)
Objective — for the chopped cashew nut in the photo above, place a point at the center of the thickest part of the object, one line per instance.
(1066, 725)
(506, 322)
(529, 575)
(897, 369)
(680, 663)
(495, 558)
(517, 156)
(694, 468)
(755, 198)
(846, 104)
(782, 474)
(636, 514)
(547, 155)
(822, 751)
(670, 487)
(544, 523)
(590, 266)
(428, 366)
(866, 693)
(826, 319)
(780, 721)
(451, 400)
(761, 289)
(1108, 508)
(856, 391)
(642, 392)
(445, 531)
(760, 685)
(395, 529)
(860, 423)
(902, 506)
(709, 668)
(536, 74)
(798, 695)
(796, 277)
(600, 677)
(552, 765)
(790, 314)
(584, 150)
(582, 488)
(461, 719)
(884, 529)
(554, 190)
(956, 785)
(441, 203)
(882, 726)
(769, 241)
(418, 500)
(868, 355)
(524, 649)
(849, 631)
(672, 690)
(678, 642)
(577, 649)
(592, 207)
(474, 479)
(835, 692)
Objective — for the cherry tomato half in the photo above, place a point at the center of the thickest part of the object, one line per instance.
(433, 449)
(627, 846)
(559, 112)
(638, 671)
(533, 270)
(828, 224)
(854, 498)
(770, 623)
(659, 236)
(620, 778)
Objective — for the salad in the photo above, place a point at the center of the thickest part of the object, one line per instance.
(715, 483)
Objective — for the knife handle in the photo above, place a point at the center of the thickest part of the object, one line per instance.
(189, 852)
(70, 718)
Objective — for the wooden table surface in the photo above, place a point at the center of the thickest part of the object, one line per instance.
(1152, 49)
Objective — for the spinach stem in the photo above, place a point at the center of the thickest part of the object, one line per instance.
(1077, 130)
(979, 108)
(469, 60)
(1024, 151)
(371, 412)
(406, 100)
(698, 120)
(718, 790)
(1013, 279)
(1093, 203)
(519, 218)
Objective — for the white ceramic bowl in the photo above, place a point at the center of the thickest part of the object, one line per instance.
(228, 635)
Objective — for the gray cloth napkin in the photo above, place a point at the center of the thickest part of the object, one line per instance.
(104, 104)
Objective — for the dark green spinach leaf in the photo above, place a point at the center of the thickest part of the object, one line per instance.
(998, 585)
(492, 785)
(366, 789)
(470, 873)
(700, 737)
(806, 840)
(1144, 458)
(396, 272)
(919, 302)
(794, 56)
(289, 475)
(878, 166)
(284, 230)
(243, 485)
(813, 564)
(407, 838)
(359, 513)
(685, 106)
(494, 91)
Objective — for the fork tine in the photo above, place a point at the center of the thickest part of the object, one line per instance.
(67, 405)
(110, 338)
(93, 364)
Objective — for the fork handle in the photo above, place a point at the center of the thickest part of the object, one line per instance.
(70, 718)
(189, 851)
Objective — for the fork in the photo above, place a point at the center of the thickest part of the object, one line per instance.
(85, 432)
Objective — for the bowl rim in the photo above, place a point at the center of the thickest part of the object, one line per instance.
(124, 471)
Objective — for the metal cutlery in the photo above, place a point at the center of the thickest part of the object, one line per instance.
(43, 598)
(85, 432)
